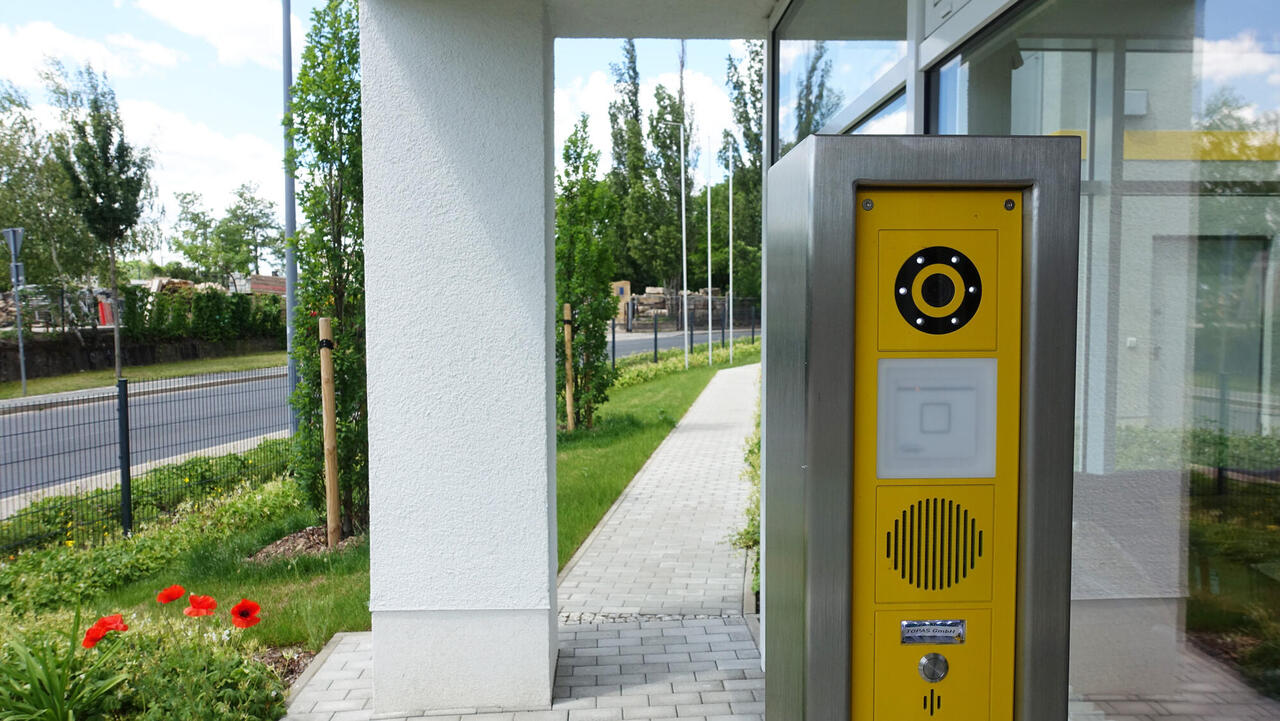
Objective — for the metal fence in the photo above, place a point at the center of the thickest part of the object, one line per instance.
(640, 330)
(82, 466)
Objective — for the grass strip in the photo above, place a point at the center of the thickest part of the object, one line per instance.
(159, 371)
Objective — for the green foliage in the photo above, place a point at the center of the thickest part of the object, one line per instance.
(325, 125)
(39, 681)
(197, 673)
(108, 178)
(250, 223)
(208, 315)
(584, 270)
(89, 517)
(748, 538)
(638, 370)
(133, 311)
(34, 195)
(234, 243)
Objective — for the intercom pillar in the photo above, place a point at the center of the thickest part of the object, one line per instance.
(918, 435)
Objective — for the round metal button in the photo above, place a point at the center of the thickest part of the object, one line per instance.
(933, 667)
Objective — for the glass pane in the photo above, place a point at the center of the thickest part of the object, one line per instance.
(890, 119)
(829, 52)
(1176, 552)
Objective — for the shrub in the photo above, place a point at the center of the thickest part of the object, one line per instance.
(89, 516)
(672, 361)
(748, 539)
(49, 679)
(59, 576)
(208, 315)
(133, 312)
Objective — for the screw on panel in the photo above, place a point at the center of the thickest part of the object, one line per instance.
(867, 204)
(1008, 204)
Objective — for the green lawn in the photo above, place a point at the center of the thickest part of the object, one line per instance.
(594, 465)
(306, 600)
(177, 369)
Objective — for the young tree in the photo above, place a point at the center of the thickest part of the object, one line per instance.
(584, 269)
(213, 246)
(253, 220)
(325, 126)
(108, 176)
(34, 194)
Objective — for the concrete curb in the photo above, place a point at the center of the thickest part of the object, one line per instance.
(317, 662)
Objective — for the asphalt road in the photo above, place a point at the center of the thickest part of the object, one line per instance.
(57, 444)
(53, 444)
(641, 342)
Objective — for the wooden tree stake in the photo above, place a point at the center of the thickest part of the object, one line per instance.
(568, 365)
(332, 512)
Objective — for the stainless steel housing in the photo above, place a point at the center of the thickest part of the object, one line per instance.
(808, 404)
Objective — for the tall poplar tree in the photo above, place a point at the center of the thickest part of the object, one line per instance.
(325, 124)
(631, 177)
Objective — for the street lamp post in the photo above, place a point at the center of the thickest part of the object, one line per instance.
(684, 246)
(733, 155)
(710, 343)
(290, 223)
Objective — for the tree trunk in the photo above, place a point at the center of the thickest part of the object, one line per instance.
(115, 307)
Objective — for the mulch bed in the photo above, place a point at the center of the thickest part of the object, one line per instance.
(1228, 648)
(308, 541)
(288, 662)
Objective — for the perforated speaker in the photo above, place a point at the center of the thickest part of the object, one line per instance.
(934, 543)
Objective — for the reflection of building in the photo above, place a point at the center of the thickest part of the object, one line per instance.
(1177, 285)
(622, 291)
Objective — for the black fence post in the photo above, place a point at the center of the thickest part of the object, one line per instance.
(126, 483)
(655, 337)
(753, 323)
(613, 326)
(1224, 425)
(724, 319)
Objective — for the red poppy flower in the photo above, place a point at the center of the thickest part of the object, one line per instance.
(114, 622)
(245, 614)
(171, 594)
(92, 636)
(200, 606)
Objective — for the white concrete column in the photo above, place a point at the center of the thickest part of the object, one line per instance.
(458, 214)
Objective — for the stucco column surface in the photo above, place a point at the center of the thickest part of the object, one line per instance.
(457, 261)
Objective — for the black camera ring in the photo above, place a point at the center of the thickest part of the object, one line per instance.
(931, 321)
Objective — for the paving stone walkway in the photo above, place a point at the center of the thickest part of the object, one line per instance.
(651, 606)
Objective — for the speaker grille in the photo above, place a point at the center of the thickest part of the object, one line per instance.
(934, 543)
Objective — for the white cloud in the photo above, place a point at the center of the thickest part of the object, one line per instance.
(1237, 57)
(241, 31)
(590, 95)
(190, 156)
(707, 98)
(122, 55)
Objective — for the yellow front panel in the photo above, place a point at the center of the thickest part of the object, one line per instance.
(935, 487)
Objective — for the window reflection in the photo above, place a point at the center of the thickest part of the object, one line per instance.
(1176, 549)
(829, 52)
(889, 119)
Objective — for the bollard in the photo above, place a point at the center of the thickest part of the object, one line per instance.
(655, 337)
(613, 327)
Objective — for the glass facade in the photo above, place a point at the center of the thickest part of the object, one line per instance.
(1176, 550)
(828, 53)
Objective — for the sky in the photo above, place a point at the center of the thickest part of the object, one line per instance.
(199, 82)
